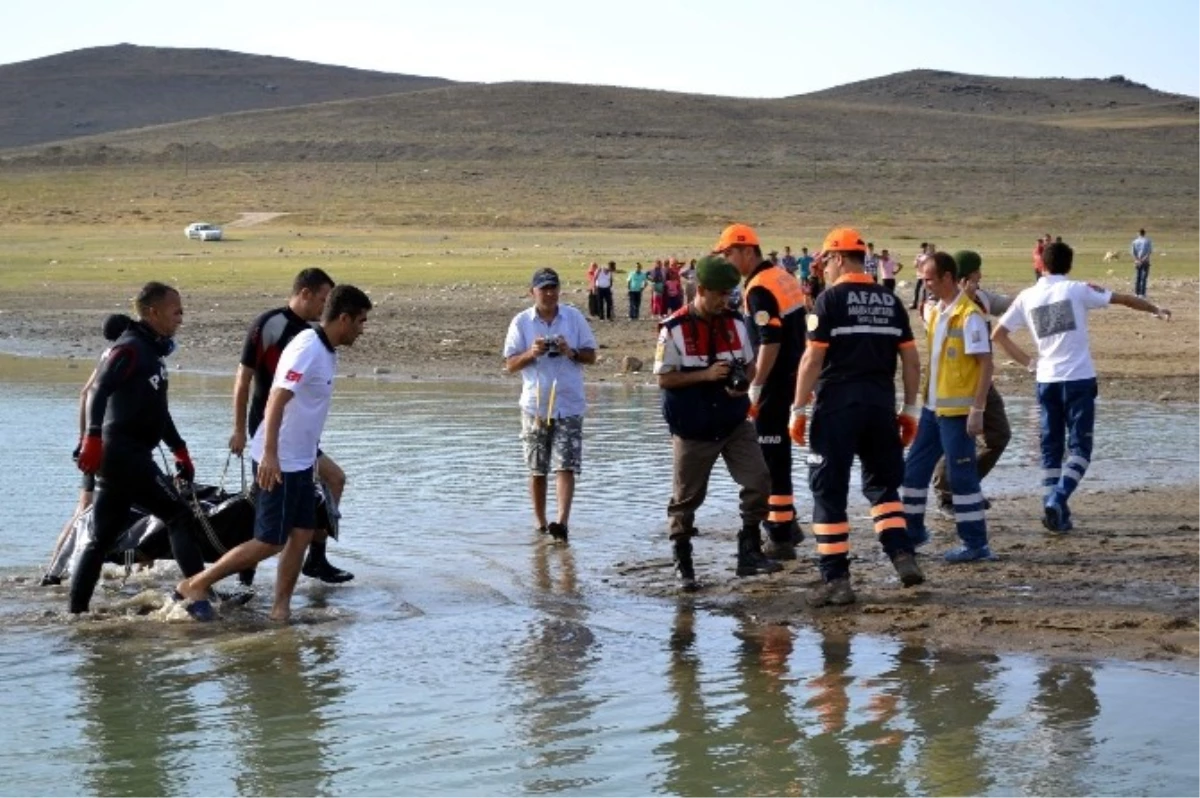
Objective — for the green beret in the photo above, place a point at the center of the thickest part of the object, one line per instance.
(968, 261)
(716, 274)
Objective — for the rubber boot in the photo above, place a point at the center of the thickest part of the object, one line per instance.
(317, 566)
(782, 540)
(750, 558)
(685, 570)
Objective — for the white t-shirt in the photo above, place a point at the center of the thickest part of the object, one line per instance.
(975, 342)
(1054, 310)
(604, 279)
(306, 368)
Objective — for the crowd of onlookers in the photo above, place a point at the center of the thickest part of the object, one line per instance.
(672, 281)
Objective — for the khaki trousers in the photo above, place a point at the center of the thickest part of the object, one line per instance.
(693, 465)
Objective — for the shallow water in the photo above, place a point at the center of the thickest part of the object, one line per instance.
(468, 658)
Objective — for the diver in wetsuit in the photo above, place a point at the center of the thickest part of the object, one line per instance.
(127, 417)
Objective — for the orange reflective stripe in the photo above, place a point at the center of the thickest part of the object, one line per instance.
(889, 523)
(823, 344)
(777, 500)
(887, 507)
(840, 528)
(780, 516)
(901, 345)
(833, 548)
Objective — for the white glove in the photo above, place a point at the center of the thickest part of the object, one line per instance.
(1162, 313)
(755, 393)
(1032, 367)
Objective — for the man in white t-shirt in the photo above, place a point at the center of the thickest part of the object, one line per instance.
(1054, 310)
(285, 450)
(548, 345)
(955, 395)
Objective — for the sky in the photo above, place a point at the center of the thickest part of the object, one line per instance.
(742, 48)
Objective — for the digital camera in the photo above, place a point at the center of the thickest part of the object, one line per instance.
(737, 380)
(552, 347)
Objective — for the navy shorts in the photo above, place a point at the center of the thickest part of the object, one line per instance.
(292, 504)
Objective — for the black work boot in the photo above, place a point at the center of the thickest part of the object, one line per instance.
(750, 558)
(317, 566)
(782, 540)
(834, 592)
(685, 571)
(906, 565)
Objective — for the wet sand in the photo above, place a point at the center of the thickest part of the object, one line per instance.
(1122, 584)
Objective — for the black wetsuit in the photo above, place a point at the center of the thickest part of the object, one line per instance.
(128, 408)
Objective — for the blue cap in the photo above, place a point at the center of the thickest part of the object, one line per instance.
(544, 278)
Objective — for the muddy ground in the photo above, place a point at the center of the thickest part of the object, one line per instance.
(1124, 583)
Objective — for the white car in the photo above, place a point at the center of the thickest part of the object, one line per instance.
(203, 231)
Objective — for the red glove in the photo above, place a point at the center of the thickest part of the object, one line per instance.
(907, 421)
(798, 424)
(184, 468)
(91, 452)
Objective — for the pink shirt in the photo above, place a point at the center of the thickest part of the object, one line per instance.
(888, 267)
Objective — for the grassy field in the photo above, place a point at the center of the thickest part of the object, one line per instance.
(85, 257)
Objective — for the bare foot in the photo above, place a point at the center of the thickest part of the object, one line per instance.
(280, 616)
(186, 590)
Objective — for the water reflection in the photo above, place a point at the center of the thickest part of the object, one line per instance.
(278, 687)
(1063, 709)
(831, 722)
(552, 662)
(136, 708)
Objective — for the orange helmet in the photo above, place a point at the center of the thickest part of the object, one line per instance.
(844, 239)
(736, 235)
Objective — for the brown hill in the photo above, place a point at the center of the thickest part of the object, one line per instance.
(555, 154)
(103, 89)
(1043, 98)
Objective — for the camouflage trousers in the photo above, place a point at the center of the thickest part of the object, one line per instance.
(552, 446)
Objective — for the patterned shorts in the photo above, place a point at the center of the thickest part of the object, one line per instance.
(557, 447)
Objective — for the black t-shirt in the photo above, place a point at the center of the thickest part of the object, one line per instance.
(265, 341)
(863, 326)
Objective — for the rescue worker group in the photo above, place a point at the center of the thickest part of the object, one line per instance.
(741, 380)
(821, 373)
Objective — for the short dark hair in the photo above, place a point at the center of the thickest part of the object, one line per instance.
(855, 255)
(943, 264)
(151, 294)
(1057, 258)
(1142, 232)
(312, 279)
(345, 299)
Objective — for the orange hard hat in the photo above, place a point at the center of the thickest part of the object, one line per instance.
(844, 239)
(736, 235)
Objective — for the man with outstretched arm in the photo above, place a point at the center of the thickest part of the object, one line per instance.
(127, 418)
(285, 448)
(1055, 311)
(265, 341)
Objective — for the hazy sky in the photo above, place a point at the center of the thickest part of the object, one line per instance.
(747, 48)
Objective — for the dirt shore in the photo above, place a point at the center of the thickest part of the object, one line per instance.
(457, 331)
(1123, 584)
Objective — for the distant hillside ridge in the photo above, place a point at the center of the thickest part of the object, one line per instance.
(125, 86)
(1030, 97)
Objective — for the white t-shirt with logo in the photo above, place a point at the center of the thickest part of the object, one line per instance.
(306, 369)
(1055, 313)
(975, 342)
